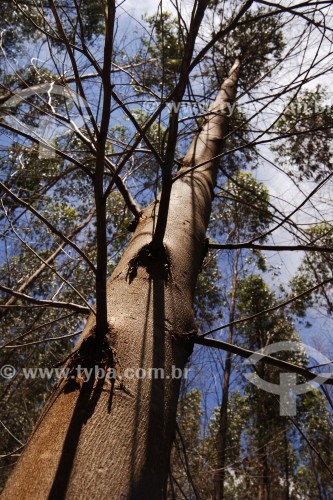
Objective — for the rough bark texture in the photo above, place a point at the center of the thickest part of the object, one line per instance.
(113, 441)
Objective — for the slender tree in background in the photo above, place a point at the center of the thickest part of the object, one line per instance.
(265, 453)
(240, 193)
(104, 134)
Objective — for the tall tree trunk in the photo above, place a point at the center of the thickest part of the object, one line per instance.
(287, 465)
(112, 441)
(219, 476)
(264, 485)
(263, 440)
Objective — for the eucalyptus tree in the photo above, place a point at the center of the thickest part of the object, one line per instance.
(264, 450)
(314, 480)
(232, 212)
(76, 183)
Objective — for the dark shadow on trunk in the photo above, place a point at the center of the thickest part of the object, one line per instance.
(85, 406)
(136, 437)
(156, 433)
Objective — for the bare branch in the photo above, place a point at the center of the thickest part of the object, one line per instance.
(36, 342)
(48, 224)
(264, 358)
(163, 211)
(33, 300)
(40, 140)
(270, 309)
(46, 263)
(100, 199)
(25, 334)
(274, 248)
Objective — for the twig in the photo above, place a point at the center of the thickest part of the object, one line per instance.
(61, 305)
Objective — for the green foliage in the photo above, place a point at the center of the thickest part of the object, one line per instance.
(207, 302)
(259, 441)
(271, 454)
(315, 268)
(19, 20)
(258, 41)
(163, 52)
(186, 462)
(314, 480)
(242, 209)
(238, 413)
(14, 26)
(307, 124)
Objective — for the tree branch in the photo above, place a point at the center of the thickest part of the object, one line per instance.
(246, 353)
(100, 199)
(185, 70)
(48, 224)
(36, 342)
(61, 305)
(47, 263)
(270, 309)
(43, 325)
(275, 248)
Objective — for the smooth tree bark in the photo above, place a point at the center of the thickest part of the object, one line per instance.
(101, 439)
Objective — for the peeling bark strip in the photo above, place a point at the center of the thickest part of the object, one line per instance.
(113, 441)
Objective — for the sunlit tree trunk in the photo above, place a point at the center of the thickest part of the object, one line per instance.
(113, 440)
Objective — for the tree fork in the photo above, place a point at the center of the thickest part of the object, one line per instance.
(112, 439)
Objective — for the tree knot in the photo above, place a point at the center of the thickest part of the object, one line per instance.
(94, 356)
(156, 261)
